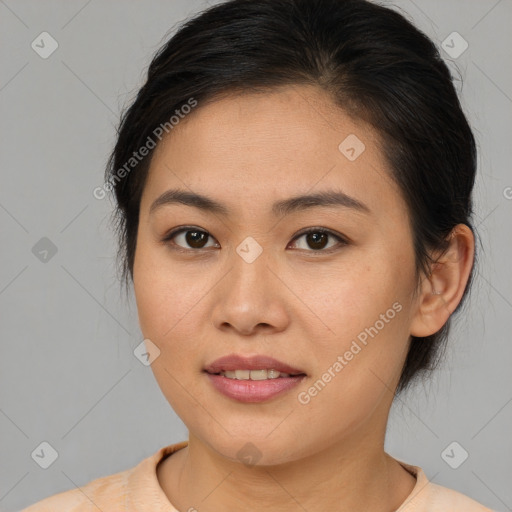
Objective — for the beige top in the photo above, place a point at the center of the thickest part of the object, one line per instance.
(138, 490)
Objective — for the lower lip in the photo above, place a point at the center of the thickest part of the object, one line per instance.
(253, 390)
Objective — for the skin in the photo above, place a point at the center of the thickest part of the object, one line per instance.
(294, 303)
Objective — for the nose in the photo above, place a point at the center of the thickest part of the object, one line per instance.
(250, 299)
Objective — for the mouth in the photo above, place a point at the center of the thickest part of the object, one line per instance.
(252, 379)
(263, 374)
(255, 367)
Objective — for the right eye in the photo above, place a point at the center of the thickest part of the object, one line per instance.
(194, 237)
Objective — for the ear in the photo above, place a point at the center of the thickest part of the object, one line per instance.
(441, 291)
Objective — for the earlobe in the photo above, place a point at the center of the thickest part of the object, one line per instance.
(441, 291)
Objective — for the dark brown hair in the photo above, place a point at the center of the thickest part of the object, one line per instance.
(374, 64)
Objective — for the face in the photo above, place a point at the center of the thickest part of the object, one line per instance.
(335, 303)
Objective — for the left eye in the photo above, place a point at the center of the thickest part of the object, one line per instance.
(316, 238)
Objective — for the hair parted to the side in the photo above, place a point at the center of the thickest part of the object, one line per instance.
(374, 64)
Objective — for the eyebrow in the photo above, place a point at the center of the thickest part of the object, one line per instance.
(279, 208)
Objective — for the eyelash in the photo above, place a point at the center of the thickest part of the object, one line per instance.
(343, 241)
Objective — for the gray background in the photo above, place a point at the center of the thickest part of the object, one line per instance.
(68, 374)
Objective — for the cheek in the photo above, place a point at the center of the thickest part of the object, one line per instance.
(153, 292)
(358, 362)
(355, 295)
(167, 311)
(366, 307)
(168, 296)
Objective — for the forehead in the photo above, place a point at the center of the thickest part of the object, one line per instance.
(296, 120)
(254, 147)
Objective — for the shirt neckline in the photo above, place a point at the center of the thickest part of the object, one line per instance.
(145, 487)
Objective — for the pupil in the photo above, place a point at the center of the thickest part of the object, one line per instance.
(194, 238)
(314, 240)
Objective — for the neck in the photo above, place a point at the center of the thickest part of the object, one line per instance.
(354, 474)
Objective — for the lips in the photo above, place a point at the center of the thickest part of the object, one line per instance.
(257, 362)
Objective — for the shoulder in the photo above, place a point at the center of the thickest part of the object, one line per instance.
(99, 494)
(125, 490)
(444, 498)
(429, 497)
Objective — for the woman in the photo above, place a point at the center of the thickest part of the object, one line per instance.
(294, 208)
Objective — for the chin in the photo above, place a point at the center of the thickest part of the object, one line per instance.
(256, 450)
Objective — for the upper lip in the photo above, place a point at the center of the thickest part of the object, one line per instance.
(256, 362)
